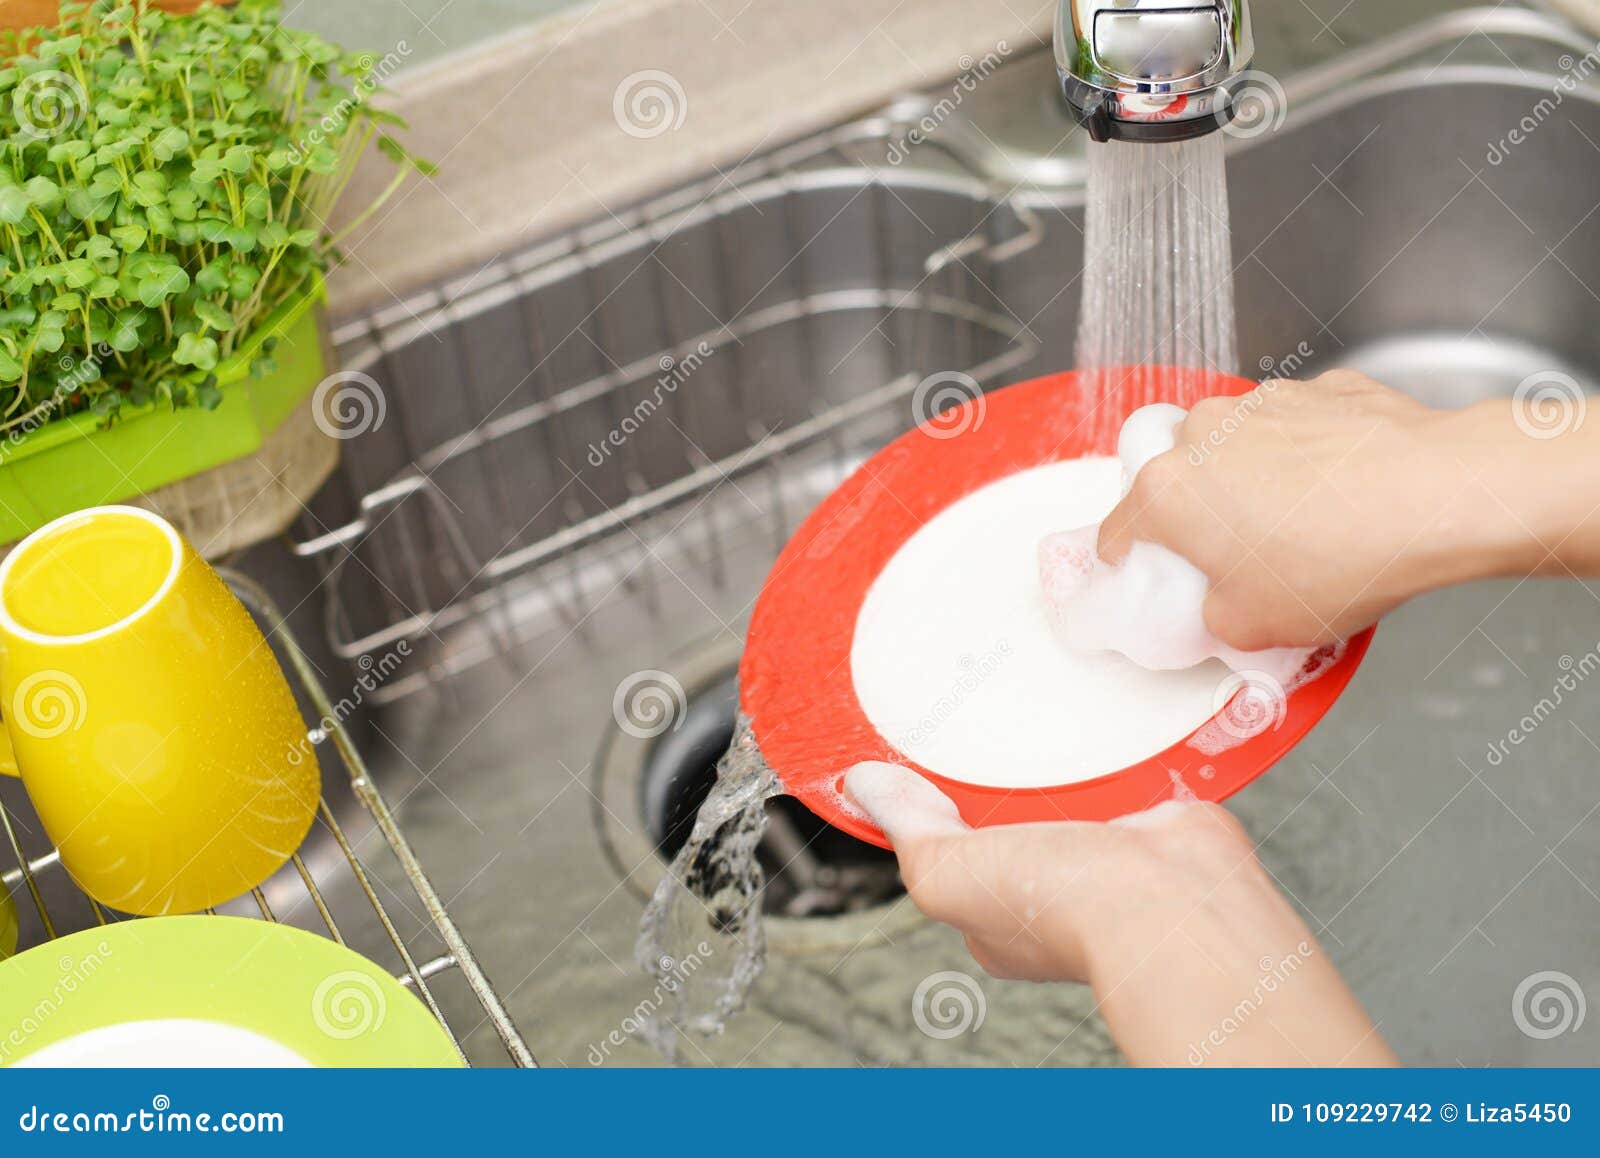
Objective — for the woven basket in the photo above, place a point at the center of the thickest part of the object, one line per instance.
(250, 499)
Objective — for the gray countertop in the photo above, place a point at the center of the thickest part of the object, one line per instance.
(1292, 32)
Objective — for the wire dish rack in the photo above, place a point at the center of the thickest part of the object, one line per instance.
(803, 302)
(334, 895)
(451, 517)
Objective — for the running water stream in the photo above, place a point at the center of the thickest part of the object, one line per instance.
(1157, 275)
(702, 937)
(1158, 291)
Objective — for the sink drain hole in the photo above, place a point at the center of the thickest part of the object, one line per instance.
(812, 868)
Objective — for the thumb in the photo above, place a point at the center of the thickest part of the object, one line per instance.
(1119, 531)
(905, 805)
(1140, 515)
(929, 837)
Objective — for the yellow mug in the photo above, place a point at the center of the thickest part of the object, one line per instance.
(149, 721)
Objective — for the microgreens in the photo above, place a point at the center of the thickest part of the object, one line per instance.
(165, 183)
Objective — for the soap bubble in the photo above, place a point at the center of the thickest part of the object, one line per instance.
(1548, 1004)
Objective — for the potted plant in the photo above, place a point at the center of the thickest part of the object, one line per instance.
(165, 186)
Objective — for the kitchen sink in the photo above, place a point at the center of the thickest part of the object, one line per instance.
(590, 453)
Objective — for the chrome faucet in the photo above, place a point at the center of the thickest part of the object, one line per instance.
(1151, 70)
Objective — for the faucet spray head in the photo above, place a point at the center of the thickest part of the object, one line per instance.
(1151, 70)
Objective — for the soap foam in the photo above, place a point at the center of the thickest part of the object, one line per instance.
(1253, 703)
(965, 589)
(1149, 607)
(902, 803)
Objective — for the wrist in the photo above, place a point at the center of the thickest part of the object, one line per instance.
(1254, 988)
(1492, 494)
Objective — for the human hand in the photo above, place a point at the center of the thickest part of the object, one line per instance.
(1314, 508)
(1194, 957)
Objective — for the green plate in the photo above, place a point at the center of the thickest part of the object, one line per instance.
(91, 998)
(8, 924)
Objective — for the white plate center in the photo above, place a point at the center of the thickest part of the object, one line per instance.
(171, 1043)
(955, 664)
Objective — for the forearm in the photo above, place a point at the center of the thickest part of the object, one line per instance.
(1238, 981)
(1530, 505)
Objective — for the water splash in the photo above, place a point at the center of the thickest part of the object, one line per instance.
(1157, 278)
(707, 909)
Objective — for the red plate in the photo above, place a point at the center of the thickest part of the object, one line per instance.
(795, 680)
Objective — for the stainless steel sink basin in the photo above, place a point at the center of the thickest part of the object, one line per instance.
(536, 562)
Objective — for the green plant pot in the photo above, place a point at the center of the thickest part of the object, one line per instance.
(79, 462)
